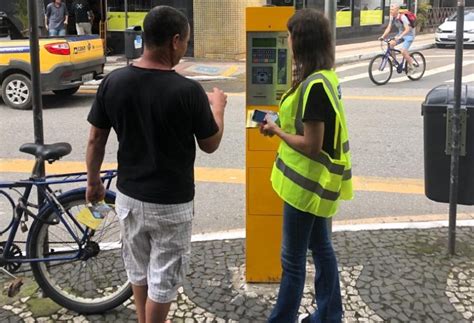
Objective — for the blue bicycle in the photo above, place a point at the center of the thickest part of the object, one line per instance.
(77, 267)
(381, 66)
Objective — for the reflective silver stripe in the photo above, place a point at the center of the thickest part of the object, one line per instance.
(306, 183)
(345, 147)
(326, 162)
(347, 175)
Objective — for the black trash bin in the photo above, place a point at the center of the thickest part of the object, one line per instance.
(437, 149)
(133, 42)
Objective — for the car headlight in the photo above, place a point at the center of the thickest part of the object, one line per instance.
(439, 30)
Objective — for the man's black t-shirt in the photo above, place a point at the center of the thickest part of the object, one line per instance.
(80, 9)
(156, 114)
(319, 108)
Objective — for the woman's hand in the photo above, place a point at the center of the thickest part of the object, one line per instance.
(268, 127)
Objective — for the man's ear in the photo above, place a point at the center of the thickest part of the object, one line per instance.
(175, 41)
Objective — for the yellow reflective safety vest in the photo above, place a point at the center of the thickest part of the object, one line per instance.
(313, 185)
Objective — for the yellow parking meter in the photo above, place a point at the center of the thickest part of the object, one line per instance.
(268, 77)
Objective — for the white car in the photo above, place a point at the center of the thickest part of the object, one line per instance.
(446, 32)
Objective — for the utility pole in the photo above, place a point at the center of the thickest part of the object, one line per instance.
(456, 130)
(330, 8)
(36, 82)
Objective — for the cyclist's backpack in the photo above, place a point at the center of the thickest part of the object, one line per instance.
(411, 18)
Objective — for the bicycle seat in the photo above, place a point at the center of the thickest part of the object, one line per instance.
(50, 153)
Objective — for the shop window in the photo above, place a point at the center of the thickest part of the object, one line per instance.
(371, 12)
(344, 13)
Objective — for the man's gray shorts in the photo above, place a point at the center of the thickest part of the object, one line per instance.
(156, 244)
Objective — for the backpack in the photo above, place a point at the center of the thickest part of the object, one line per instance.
(411, 18)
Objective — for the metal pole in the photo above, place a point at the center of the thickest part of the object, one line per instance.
(126, 21)
(330, 8)
(36, 79)
(126, 13)
(456, 131)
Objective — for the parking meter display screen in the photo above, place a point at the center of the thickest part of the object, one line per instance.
(264, 42)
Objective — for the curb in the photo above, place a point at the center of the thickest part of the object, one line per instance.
(366, 56)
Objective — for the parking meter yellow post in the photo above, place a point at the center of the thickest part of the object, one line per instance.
(268, 77)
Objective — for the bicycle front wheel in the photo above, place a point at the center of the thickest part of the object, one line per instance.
(93, 282)
(380, 69)
(419, 65)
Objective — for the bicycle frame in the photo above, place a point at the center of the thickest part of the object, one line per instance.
(51, 201)
(388, 55)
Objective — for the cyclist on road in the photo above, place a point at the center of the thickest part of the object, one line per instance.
(405, 36)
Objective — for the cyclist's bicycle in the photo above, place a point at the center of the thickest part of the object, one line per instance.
(381, 66)
(77, 267)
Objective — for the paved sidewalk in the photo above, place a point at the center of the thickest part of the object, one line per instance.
(395, 275)
(209, 70)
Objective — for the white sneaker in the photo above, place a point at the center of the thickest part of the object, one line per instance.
(303, 318)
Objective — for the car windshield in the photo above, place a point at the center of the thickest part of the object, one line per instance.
(468, 16)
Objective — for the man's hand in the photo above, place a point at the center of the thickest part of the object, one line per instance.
(217, 99)
(95, 192)
(381, 38)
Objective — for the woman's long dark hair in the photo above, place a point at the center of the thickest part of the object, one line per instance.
(312, 44)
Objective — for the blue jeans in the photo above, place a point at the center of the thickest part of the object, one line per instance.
(57, 32)
(301, 231)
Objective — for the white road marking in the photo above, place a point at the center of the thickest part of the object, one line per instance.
(348, 67)
(430, 72)
(447, 56)
(403, 78)
(465, 79)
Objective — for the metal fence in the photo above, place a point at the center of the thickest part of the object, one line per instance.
(436, 16)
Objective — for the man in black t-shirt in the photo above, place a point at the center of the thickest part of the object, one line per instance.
(83, 16)
(157, 115)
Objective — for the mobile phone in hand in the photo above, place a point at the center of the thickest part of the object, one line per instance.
(259, 116)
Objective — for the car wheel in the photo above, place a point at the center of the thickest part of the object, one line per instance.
(67, 92)
(17, 91)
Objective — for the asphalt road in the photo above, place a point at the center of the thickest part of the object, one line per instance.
(385, 126)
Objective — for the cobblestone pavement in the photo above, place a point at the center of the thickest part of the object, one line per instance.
(386, 276)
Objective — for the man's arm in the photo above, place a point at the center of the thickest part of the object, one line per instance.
(387, 30)
(218, 101)
(94, 158)
(66, 14)
(406, 30)
(46, 17)
(91, 16)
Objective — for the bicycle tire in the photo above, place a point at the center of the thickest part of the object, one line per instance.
(108, 291)
(418, 59)
(381, 64)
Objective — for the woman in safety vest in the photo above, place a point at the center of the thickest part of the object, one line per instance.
(312, 170)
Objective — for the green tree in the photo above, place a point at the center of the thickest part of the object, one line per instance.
(22, 14)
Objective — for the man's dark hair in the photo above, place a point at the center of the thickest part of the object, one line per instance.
(161, 24)
(312, 43)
